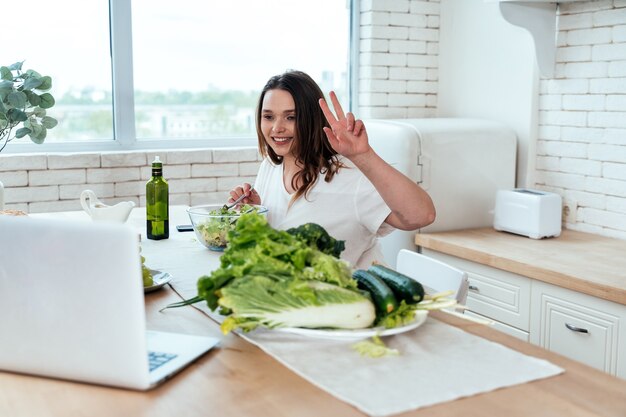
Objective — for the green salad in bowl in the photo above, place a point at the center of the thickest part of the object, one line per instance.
(212, 222)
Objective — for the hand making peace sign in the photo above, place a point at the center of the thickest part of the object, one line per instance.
(346, 135)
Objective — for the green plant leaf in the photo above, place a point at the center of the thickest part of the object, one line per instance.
(32, 98)
(17, 99)
(36, 127)
(46, 83)
(16, 67)
(16, 115)
(22, 132)
(47, 101)
(32, 83)
(40, 136)
(32, 73)
(6, 74)
(39, 112)
(49, 122)
(6, 86)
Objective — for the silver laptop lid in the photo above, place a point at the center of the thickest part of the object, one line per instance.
(71, 301)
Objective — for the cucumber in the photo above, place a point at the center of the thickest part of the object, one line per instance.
(404, 288)
(383, 297)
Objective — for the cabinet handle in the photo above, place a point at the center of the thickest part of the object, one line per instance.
(474, 288)
(576, 329)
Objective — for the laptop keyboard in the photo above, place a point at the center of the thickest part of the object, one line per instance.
(156, 359)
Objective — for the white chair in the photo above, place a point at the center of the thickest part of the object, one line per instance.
(433, 274)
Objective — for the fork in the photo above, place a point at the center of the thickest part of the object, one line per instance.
(237, 201)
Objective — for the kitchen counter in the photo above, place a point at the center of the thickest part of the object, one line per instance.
(239, 379)
(582, 262)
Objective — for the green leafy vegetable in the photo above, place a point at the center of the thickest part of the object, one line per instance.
(215, 230)
(374, 348)
(279, 301)
(272, 278)
(317, 237)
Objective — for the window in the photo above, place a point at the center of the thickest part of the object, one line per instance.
(75, 53)
(195, 68)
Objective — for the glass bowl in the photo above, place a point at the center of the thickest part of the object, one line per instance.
(211, 222)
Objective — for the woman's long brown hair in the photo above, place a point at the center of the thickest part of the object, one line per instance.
(312, 150)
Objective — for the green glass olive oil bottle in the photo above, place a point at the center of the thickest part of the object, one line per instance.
(157, 204)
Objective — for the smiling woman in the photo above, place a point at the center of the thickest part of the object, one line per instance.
(193, 68)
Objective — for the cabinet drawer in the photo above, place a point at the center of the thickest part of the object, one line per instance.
(512, 331)
(507, 301)
(499, 295)
(578, 326)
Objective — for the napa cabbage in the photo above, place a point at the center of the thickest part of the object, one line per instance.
(278, 301)
(273, 278)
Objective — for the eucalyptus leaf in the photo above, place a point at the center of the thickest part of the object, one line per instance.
(21, 132)
(36, 128)
(33, 98)
(16, 115)
(32, 83)
(47, 101)
(17, 99)
(32, 73)
(39, 137)
(6, 74)
(46, 83)
(17, 66)
(49, 122)
(22, 110)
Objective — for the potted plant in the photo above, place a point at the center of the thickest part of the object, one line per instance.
(23, 103)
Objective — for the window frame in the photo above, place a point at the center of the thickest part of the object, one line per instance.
(124, 135)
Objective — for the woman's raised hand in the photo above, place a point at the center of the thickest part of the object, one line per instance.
(252, 197)
(347, 136)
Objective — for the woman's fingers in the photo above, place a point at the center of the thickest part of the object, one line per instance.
(327, 113)
(358, 127)
(238, 191)
(350, 121)
(337, 106)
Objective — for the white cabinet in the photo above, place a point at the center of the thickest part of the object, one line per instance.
(576, 325)
(496, 294)
(579, 326)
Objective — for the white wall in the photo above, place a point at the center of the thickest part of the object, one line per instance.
(487, 69)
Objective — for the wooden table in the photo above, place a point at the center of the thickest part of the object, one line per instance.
(238, 379)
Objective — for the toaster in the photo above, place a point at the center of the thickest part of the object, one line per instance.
(532, 213)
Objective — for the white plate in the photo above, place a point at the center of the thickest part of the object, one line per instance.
(342, 334)
(159, 279)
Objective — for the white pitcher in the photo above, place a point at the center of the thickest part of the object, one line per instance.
(99, 211)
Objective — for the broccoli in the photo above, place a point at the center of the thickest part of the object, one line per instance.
(317, 237)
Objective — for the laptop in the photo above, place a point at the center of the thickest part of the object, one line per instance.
(72, 306)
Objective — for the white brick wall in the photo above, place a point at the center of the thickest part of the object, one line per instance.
(44, 183)
(398, 61)
(581, 149)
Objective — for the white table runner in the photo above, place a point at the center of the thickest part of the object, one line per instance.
(437, 363)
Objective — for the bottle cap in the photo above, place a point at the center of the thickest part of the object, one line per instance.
(157, 162)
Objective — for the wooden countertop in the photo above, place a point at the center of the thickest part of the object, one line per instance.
(238, 379)
(582, 262)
